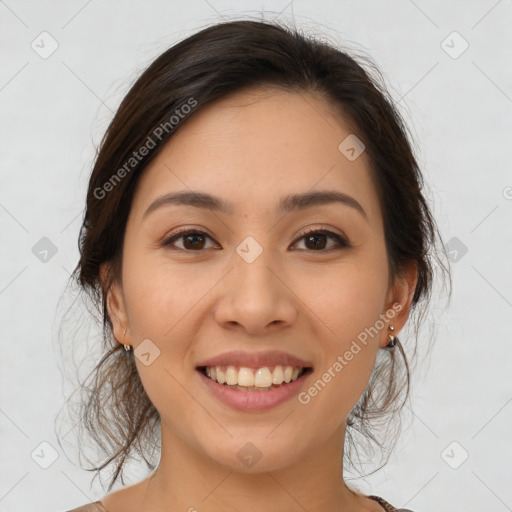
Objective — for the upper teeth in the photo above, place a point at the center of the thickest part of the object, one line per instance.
(259, 377)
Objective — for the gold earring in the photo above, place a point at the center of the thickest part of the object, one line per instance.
(393, 340)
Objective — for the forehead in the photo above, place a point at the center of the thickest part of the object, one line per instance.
(255, 146)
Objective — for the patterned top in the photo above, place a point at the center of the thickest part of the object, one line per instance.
(98, 507)
(383, 503)
(91, 507)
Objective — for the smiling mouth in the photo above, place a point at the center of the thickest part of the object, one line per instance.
(254, 379)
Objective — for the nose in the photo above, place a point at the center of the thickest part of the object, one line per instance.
(256, 297)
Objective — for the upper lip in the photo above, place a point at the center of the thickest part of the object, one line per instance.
(256, 359)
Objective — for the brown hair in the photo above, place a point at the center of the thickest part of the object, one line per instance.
(209, 65)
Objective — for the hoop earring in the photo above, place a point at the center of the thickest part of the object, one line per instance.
(393, 340)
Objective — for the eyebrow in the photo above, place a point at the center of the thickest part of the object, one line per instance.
(286, 204)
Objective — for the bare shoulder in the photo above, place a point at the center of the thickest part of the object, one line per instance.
(127, 499)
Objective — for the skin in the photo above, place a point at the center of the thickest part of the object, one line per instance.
(251, 149)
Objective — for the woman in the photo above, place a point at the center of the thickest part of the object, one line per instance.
(255, 238)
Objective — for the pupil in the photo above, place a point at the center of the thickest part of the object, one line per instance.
(313, 237)
(194, 245)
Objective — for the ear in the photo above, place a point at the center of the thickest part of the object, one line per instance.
(399, 301)
(116, 307)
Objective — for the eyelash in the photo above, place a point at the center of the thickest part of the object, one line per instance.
(342, 242)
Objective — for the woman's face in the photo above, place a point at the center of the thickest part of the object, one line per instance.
(250, 280)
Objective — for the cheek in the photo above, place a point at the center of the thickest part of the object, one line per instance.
(160, 303)
(163, 304)
(348, 314)
(348, 299)
(348, 310)
(159, 295)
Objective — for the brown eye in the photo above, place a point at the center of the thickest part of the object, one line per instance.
(192, 240)
(315, 240)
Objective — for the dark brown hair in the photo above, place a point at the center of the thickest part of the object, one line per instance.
(209, 65)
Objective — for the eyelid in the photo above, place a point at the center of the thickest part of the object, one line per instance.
(341, 239)
(180, 233)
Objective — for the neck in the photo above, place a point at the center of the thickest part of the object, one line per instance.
(188, 480)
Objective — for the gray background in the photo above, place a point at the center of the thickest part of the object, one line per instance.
(54, 110)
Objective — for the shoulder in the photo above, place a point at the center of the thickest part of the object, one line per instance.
(90, 507)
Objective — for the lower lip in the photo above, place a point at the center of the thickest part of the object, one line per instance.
(254, 400)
